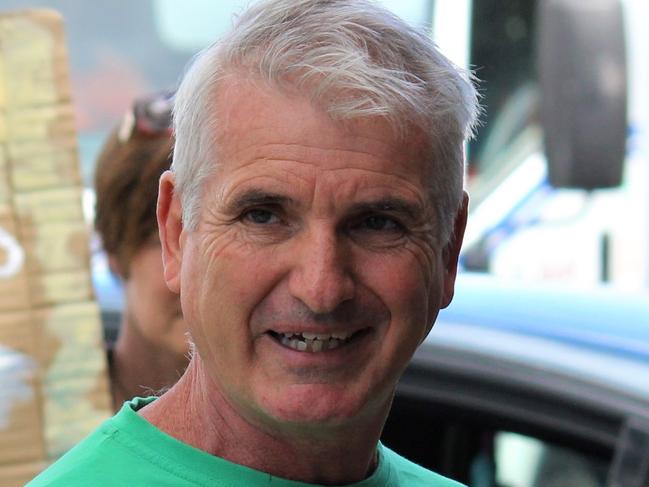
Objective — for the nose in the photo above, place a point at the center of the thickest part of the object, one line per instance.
(321, 276)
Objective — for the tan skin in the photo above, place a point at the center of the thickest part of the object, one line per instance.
(151, 351)
(306, 226)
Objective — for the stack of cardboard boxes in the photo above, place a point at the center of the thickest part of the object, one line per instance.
(53, 382)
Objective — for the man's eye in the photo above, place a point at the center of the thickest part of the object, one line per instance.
(381, 223)
(377, 230)
(260, 216)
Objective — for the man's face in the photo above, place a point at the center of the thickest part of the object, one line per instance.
(314, 272)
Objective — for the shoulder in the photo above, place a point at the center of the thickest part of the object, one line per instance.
(409, 474)
(108, 452)
(128, 450)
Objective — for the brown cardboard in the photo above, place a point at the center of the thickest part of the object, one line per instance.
(43, 164)
(48, 122)
(21, 435)
(72, 371)
(55, 247)
(5, 189)
(53, 205)
(14, 291)
(20, 416)
(60, 287)
(17, 332)
(35, 59)
(19, 474)
(3, 96)
(53, 382)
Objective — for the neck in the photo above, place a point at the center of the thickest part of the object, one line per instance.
(141, 367)
(195, 412)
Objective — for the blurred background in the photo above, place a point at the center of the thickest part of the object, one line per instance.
(520, 226)
(542, 360)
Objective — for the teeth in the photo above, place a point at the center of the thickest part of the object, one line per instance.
(313, 342)
(342, 335)
(331, 344)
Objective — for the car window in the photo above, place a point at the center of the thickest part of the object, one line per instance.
(481, 448)
(524, 461)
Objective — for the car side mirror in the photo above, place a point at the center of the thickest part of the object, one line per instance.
(583, 79)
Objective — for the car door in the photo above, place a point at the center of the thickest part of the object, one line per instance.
(491, 421)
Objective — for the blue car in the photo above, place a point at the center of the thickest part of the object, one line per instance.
(530, 386)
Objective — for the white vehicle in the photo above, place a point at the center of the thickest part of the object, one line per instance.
(575, 74)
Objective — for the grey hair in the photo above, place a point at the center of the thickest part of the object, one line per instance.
(352, 58)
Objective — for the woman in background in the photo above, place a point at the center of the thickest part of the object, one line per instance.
(150, 352)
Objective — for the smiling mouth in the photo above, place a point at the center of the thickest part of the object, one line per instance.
(315, 342)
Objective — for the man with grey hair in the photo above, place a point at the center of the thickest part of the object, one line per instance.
(311, 224)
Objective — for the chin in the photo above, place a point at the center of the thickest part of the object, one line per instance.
(319, 405)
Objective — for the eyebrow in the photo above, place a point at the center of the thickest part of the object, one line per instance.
(257, 197)
(393, 205)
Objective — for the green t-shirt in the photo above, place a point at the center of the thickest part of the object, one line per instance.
(128, 450)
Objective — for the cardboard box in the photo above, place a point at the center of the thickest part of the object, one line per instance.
(21, 436)
(73, 368)
(39, 165)
(40, 123)
(5, 189)
(19, 474)
(56, 247)
(60, 287)
(14, 289)
(53, 205)
(21, 428)
(53, 380)
(34, 59)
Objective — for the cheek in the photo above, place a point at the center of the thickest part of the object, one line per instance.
(221, 289)
(407, 298)
(410, 287)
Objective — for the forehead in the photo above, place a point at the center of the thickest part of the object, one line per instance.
(256, 121)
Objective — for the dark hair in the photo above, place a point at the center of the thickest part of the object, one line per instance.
(126, 186)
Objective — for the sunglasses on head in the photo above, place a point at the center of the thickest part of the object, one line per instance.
(150, 115)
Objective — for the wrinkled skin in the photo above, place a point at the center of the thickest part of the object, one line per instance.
(306, 225)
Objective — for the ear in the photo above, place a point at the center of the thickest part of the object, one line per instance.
(170, 227)
(451, 252)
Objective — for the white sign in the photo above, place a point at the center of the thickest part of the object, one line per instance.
(15, 256)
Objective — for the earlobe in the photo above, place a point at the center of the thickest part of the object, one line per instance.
(169, 214)
(452, 251)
